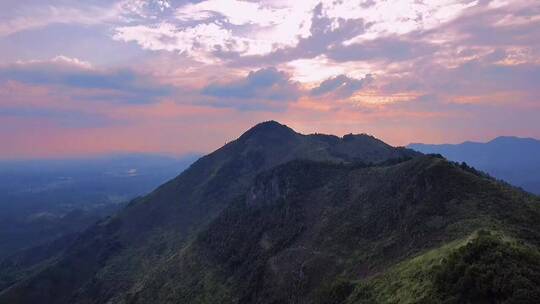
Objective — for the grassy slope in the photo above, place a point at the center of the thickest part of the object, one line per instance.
(487, 267)
(410, 281)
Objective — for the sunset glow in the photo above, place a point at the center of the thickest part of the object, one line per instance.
(92, 77)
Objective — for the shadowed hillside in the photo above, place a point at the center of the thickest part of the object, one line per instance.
(309, 232)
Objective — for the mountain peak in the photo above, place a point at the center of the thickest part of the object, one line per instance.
(270, 124)
(269, 128)
(360, 136)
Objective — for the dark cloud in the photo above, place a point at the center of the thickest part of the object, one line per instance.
(270, 89)
(340, 86)
(388, 48)
(475, 77)
(471, 78)
(267, 83)
(122, 85)
(494, 27)
(367, 3)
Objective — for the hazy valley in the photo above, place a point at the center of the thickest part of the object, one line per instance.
(41, 200)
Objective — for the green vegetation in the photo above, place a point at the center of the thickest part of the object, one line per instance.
(408, 282)
(485, 268)
(489, 270)
(335, 293)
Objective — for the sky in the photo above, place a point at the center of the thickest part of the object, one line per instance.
(164, 76)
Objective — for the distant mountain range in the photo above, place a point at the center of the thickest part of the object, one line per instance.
(279, 217)
(41, 200)
(513, 159)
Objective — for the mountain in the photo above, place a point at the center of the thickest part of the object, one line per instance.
(513, 159)
(280, 217)
(41, 200)
(124, 248)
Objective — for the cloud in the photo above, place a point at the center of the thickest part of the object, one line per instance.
(281, 31)
(461, 63)
(324, 33)
(142, 9)
(202, 30)
(85, 81)
(337, 39)
(265, 88)
(517, 23)
(258, 26)
(388, 49)
(197, 41)
(475, 77)
(24, 17)
(233, 11)
(273, 90)
(33, 14)
(340, 86)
